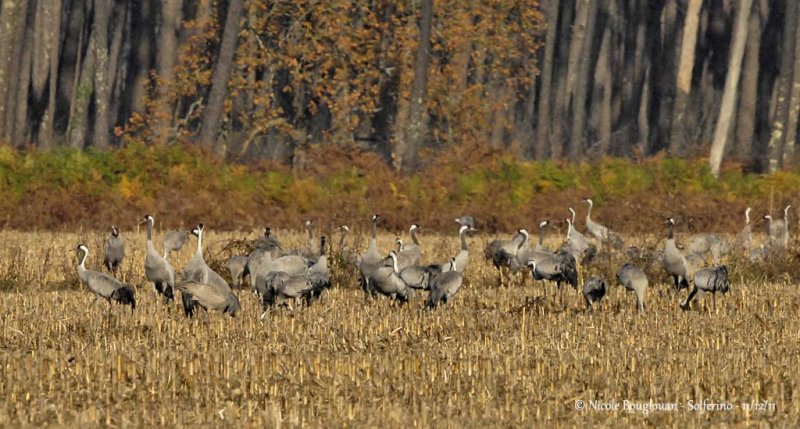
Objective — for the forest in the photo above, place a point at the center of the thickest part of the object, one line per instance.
(572, 80)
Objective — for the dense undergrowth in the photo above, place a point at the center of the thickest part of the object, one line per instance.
(67, 189)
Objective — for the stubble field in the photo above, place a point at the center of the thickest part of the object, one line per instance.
(492, 357)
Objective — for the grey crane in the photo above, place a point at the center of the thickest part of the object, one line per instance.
(600, 232)
(462, 258)
(444, 286)
(207, 297)
(713, 279)
(411, 253)
(346, 255)
(503, 253)
(372, 258)
(267, 241)
(578, 245)
(634, 279)
(387, 281)
(237, 266)
(113, 250)
(418, 276)
(174, 241)
(466, 221)
(310, 252)
(157, 268)
(594, 290)
(197, 270)
(279, 287)
(745, 236)
(675, 263)
(260, 264)
(560, 267)
(779, 231)
(526, 252)
(104, 285)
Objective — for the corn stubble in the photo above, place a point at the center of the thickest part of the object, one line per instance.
(493, 356)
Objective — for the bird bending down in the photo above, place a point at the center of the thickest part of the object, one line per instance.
(634, 279)
(208, 297)
(174, 241)
(560, 267)
(503, 253)
(594, 290)
(157, 268)
(444, 286)
(104, 285)
(714, 279)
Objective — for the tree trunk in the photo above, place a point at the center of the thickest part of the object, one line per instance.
(19, 126)
(794, 102)
(417, 116)
(102, 91)
(166, 55)
(783, 88)
(746, 116)
(45, 134)
(219, 78)
(603, 90)
(678, 134)
(14, 41)
(576, 142)
(545, 97)
(79, 117)
(731, 85)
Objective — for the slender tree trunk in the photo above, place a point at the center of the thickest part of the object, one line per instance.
(746, 115)
(603, 90)
(678, 133)
(794, 103)
(212, 117)
(778, 132)
(12, 19)
(576, 144)
(45, 134)
(417, 116)
(19, 126)
(102, 90)
(543, 124)
(79, 118)
(166, 55)
(731, 84)
(16, 43)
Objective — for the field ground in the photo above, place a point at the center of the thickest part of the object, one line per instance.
(493, 357)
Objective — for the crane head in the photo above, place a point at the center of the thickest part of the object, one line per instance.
(413, 227)
(670, 221)
(147, 218)
(544, 223)
(376, 217)
(345, 228)
(114, 231)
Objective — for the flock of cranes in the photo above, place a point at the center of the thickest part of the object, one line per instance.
(281, 277)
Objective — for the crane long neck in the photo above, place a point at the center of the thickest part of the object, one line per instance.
(464, 240)
(541, 236)
(84, 255)
(569, 229)
(589, 212)
(310, 233)
(394, 264)
(671, 234)
(374, 232)
(414, 236)
(200, 242)
(747, 217)
(149, 230)
(343, 240)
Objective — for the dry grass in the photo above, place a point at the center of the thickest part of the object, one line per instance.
(493, 357)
